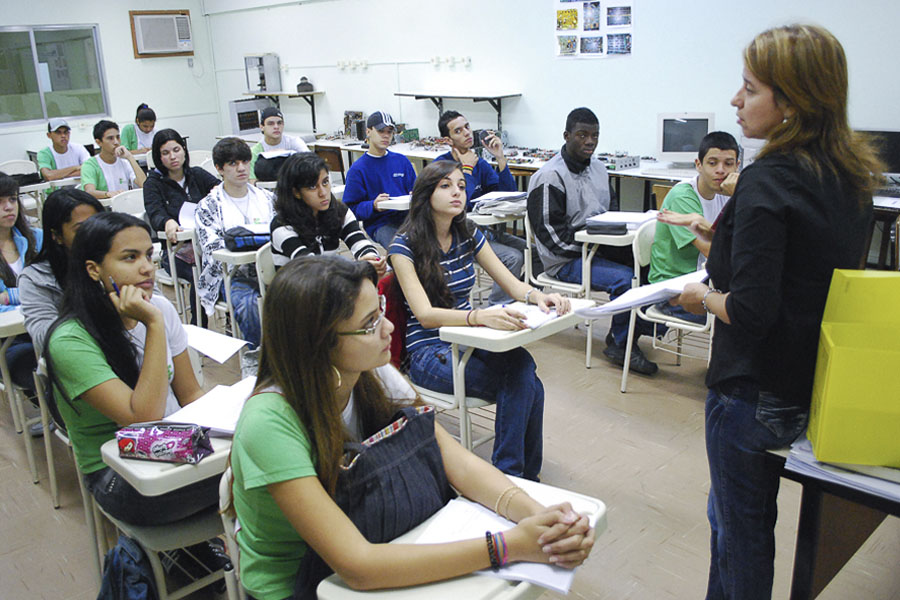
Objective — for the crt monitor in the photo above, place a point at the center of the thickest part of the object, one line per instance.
(679, 135)
(888, 146)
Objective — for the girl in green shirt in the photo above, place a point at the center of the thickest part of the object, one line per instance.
(138, 136)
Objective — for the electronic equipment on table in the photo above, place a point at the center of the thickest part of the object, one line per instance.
(263, 72)
(679, 136)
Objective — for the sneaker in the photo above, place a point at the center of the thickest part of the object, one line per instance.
(37, 429)
(184, 566)
(638, 362)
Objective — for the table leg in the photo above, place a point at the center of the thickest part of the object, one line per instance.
(459, 393)
(7, 383)
(830, 531)
(587, 256)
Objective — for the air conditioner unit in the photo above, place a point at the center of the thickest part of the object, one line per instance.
(163, 33)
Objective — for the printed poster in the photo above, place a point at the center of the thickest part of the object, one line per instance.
(593, 28)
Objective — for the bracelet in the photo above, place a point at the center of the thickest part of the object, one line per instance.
(492, 551)
(505, 513)
(708, 292)
(504, 554)
(528, 293)
(500, 498)
(469, 314)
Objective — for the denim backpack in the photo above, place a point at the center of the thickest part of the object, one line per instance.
(127, 574)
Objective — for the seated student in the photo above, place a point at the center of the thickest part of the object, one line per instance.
(481, 178)
(434, 257)
(289, 478)
(19, 245)
(138, 136)
(232, 203)
(677, 250)
(61, 158)
(112, 170)
(562, 194)
(309, 220)
(169, 185)
(376, 176)
(271, 123)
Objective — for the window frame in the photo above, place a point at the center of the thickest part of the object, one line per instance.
(101, 69)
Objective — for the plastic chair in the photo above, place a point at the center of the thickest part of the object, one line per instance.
(208, 165)
(641, 247)
(30, 201)
(265, 273)
(198, 157)
(149, 158)
(229, 523)
(131, 202)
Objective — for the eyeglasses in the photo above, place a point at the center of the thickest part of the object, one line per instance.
(374, 327)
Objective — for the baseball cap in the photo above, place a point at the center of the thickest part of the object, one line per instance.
(56, 123)
(379, 120)
(271, 111)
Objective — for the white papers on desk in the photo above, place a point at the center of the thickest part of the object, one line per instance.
(218, 409)
(214, 345)
(462, 519)
(501, 204)
(644, 295)
(186, 215)
(632, 220)
(886, 202)
(395, 203)
(534, 316)
(883, 482)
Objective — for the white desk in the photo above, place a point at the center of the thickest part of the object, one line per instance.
(468, 587)
(495, 340)
(336, 190)
(232, 260)
(43, 188)
(155, 478)
(12, 323)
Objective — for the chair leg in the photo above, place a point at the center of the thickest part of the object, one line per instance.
(48, 443)
(589, 344)
(679, 347)
(90, 521)
(628, 345)
(16, 398)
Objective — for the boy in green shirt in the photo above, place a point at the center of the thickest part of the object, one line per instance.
(61, 158)
(676, 250)
(113, 170)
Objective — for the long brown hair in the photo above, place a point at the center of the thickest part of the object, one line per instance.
(806, 67)
(422, 237)
(302, 308)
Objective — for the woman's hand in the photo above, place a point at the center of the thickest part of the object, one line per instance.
(561, 303)
(699, 226)
(130, 303)
(172, 229)
(692, 298)
(557, 535)
(379, 262)
(499, 317)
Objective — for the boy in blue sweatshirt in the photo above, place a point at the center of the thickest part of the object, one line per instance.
(377, 176)
(481, 178)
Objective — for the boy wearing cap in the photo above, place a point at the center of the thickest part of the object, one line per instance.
(271, 123)
(378, 175)
(481, 178)
(61, 158)
(114, 169)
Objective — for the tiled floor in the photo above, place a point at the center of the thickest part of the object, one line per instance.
(642, 453)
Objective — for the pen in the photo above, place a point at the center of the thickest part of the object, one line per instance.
(115, 287)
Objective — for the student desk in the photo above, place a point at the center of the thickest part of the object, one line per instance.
(469, 587)
(12, 324)
(495, 340)
(156, 478)
(232, 260)
(45, 187)
(835, 520)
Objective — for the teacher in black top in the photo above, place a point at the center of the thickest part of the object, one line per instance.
(799, 211)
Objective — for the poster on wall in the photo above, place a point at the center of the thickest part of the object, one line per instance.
(593, 28)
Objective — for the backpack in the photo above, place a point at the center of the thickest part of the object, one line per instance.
(267, 168)
(127, 574)
(241, 239)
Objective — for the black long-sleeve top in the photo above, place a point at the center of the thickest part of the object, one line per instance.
(778, 240)
(163, 197)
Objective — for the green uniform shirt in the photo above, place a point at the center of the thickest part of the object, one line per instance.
(129, 137)
(673, 253)
(45, 159)
(270, 446)
(92, 173)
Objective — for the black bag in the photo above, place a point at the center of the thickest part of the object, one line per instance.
(267, 168)
(24, 179)
(241, 239)
(607, 228)
(388, 487)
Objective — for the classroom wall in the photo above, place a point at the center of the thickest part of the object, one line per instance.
(183, 97)
(687, 57)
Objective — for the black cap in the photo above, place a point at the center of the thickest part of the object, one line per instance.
(271, 111)
(379, 120)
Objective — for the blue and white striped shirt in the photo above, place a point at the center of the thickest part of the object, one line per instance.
(459, 271)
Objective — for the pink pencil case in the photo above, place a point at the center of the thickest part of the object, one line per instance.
(165, 442)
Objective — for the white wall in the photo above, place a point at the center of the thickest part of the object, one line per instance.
(183, 97)
(687, 57)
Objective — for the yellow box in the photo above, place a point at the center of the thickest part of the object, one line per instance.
(855, 410)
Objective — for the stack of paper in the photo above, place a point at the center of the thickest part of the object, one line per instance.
(644, 295)
(632, 220)
(218, 409)
(501, 204)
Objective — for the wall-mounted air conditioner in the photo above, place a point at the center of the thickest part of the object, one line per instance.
(161, 33)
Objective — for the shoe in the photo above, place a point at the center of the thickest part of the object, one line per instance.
(638, 362)
(184, 566)
(610, 340)
(37, 430)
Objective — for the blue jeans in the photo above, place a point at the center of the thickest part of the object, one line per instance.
(22, 362)
(679, 312)
(607, 276)
(117, 497)
(244, 296)
(740, 426)
(509, 379)
(511, 252)
(384, 235)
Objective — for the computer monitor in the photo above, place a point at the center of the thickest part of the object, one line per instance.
(679, 135)
(888, 145)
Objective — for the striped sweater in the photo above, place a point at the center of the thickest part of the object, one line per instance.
(320, 238)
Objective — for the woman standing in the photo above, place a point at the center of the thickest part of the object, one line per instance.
(799, 211)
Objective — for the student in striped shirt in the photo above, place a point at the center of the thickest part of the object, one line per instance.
(434, 257)
(309, 220)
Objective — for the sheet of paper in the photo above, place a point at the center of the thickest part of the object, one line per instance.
(643, 295)
(218, 409)
(275, 153)
(186, 215)
(534, 316)
(802, 460)
(501, 196)
(213, 344)
(632, 219)
(395, 203)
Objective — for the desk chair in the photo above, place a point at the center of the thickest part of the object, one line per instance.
(229, 522)
(208, 165)
(542, 280)
(265, 272)
(198, 157)
(334, 160)
(659, 194)
(131, 202)
(641, 246)
(32, 201)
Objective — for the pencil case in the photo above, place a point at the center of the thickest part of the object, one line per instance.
(164, 442)
(607, 228)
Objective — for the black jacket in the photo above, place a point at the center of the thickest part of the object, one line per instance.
(163, 197)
